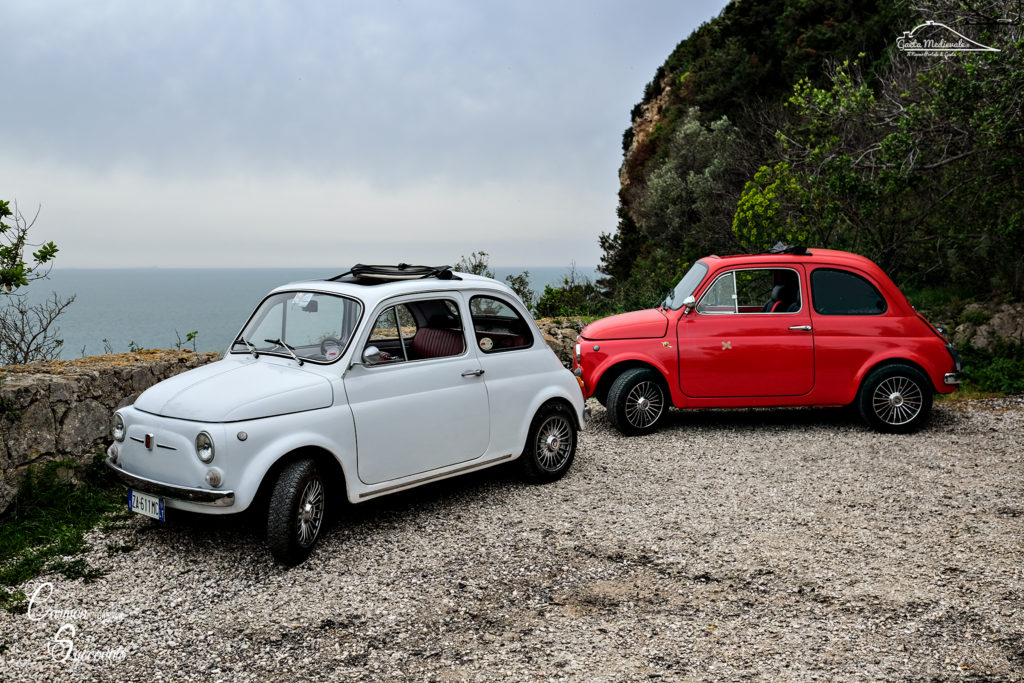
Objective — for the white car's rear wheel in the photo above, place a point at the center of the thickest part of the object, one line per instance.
(551, 444)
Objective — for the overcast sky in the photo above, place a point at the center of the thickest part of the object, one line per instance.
(173, 133)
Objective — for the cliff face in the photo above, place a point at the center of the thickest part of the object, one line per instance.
(646, 117)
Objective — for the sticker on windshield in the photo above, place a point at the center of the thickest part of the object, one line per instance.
(302, 299)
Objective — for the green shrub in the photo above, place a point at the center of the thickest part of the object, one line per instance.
(47, 521)
(1001, 371)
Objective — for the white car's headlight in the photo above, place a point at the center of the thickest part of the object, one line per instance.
(119, 428)
(204, 447)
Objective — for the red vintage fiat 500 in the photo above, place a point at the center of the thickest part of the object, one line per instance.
(792, 327)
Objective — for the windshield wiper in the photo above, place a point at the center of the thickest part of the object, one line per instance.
(290, 349)
(252, 349)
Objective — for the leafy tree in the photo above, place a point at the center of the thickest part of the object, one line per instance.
(921, 174)
(520, 284)
(478, 263)
(27, 331)
(15, 272)
(707, 120)
(576, 296)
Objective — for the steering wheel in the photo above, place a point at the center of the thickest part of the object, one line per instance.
(330, 348)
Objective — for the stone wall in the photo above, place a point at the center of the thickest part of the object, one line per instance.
(993, 326)
(52, 410)
(561, 334)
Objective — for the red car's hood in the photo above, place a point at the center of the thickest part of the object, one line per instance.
(648, 324)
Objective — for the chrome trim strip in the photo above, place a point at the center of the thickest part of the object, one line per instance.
(432, 477)
(157, 488)
(159, 445)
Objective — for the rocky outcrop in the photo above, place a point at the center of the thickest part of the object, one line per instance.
(561, 335)
(989, 328)
(646, 116)
(54, 410)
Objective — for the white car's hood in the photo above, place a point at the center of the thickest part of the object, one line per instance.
(237, 388)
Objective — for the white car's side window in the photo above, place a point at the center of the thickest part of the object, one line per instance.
(418, 330)
(497, 325)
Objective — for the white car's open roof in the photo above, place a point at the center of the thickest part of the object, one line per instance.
(372, 290)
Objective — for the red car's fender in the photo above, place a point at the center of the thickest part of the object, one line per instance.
(603, 360)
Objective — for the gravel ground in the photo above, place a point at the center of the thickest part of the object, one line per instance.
(730, 545)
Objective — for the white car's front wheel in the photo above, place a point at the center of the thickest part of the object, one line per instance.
(296, 512)
(551, 445)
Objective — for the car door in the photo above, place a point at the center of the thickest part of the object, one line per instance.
(425, 407)
(511, 355)
(749, 335)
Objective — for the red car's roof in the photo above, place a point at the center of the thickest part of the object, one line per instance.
(816, 256)
(819, 257)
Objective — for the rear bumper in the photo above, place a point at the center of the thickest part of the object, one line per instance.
(956, 377)
(158, 488)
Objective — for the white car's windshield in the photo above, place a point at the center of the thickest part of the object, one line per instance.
(686, 286)
(311, 326)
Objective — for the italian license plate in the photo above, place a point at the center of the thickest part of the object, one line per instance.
(145, 504)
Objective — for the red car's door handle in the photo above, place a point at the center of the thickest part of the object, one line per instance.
(806, 328)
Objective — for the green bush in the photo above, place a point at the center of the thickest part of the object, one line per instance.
(1001, 371)
(54, 507)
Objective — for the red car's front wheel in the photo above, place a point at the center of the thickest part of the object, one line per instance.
(637, 401)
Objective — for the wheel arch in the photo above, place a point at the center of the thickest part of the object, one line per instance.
(326, 463)
(612, 372)
(886, 362)
(564, 403)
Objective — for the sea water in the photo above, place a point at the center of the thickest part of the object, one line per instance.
(118, 309)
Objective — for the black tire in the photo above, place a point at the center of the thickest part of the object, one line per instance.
(295, 513)
(551, 444)
(637, 401)
(896, 399)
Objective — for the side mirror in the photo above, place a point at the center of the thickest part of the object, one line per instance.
(688, 304)
(371, 355)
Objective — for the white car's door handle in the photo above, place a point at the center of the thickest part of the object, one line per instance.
(473, 373)
(806, 328)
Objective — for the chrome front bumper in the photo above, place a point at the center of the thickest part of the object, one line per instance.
(157, 488)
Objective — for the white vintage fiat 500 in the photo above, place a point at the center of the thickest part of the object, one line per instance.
(377, 380)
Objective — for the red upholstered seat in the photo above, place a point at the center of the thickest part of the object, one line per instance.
(431, 342)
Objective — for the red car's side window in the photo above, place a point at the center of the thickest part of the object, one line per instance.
(753, 290)
(840, 292)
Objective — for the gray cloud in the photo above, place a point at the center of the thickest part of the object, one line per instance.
(417, 123)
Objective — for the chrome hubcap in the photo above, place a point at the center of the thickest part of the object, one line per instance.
(554, 443)
(311, 512)
(644, 404)
(897, 400)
